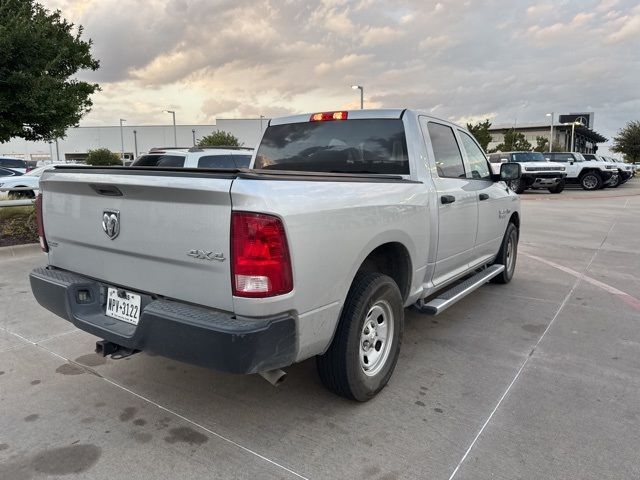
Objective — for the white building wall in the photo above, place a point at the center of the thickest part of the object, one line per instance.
(83, 139)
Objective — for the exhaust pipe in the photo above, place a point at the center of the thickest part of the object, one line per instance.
(274, 377)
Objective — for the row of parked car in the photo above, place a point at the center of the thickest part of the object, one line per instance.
(551, 171)
(554, 170)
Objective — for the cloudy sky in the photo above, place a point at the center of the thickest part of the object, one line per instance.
(511, 61)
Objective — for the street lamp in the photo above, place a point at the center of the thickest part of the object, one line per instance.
(135, 144)
(121, 140)
(551, 134)
(261, 118)
(361, 88)
(175, 135)
(193, 133)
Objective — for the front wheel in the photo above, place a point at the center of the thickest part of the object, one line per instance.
(518, 186)
(615, 182)
(366, 345)
(591, 181)
(507, 255)
(558, 188)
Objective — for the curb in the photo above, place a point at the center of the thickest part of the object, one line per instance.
(19, 251)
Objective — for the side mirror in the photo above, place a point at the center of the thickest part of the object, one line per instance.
(510, 171)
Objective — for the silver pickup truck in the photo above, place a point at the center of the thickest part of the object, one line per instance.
(342, 221)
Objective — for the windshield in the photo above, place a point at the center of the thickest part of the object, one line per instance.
(339, 146)
(528, 157)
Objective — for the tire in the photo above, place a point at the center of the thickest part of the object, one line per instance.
(558, 188)
(342, 369)
(615, 184)
(507, 255)
(591, 181)
(517, 186)
(22, 194)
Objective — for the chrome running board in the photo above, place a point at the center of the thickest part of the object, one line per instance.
(448, 297)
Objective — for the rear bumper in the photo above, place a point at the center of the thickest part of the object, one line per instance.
(184, 332)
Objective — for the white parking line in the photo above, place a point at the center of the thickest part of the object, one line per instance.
(580, 277)
(161, 407)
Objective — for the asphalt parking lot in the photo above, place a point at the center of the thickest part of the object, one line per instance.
(536, 379)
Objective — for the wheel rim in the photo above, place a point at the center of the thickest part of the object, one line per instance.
(376, 338)
(511, 254)
(590, 181)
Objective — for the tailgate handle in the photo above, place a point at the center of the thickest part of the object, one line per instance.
(108, 190)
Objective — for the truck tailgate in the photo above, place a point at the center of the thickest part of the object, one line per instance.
(173, 237)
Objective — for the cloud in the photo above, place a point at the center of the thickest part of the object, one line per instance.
(457, 59)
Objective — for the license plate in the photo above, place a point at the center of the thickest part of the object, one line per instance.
(125, 307)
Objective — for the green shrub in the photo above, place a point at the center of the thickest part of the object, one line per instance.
(103, 157)
(219, 138)
(20, 225)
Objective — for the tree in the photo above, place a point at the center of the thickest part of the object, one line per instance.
(514, 142)
(481, 132)
(219, 138)
(103, 157)
(627, 142)
(542, 144)
(41, 54)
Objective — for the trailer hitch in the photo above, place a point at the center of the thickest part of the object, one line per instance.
(115, 351)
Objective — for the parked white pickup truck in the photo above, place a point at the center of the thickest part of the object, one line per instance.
(343, 219)
(537, 172)
(589, 175)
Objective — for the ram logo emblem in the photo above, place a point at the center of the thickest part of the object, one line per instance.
(111, 223)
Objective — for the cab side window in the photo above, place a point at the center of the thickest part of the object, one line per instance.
(448, 158)
(477, 161)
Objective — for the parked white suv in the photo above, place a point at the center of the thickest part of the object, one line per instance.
(590, 175)
(196, 157)
(625, 170)
(537, 172)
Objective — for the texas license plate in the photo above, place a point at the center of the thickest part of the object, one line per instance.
(124, 306)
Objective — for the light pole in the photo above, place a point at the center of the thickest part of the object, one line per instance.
(135, 144)
(551, 134)
(193, 133)
(121, 140)
(361, 88)
(175, 135)
(261, 117)
(573, 132)
(50, 151)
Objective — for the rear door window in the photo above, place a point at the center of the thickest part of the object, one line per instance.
(216, 161)
(446, 150)
(339, 146)
(161, 160)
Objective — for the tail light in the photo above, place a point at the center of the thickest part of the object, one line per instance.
(327, 116)
(43, 239)
(261, 266)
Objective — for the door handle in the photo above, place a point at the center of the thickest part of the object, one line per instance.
(447, 199)
(484, 196)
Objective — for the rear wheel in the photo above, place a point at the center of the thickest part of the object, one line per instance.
(591, 181)
(558, 188)
(507, 255)
(366, 345)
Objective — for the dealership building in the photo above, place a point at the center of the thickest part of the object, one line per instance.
(130, 139)
(585, 139)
